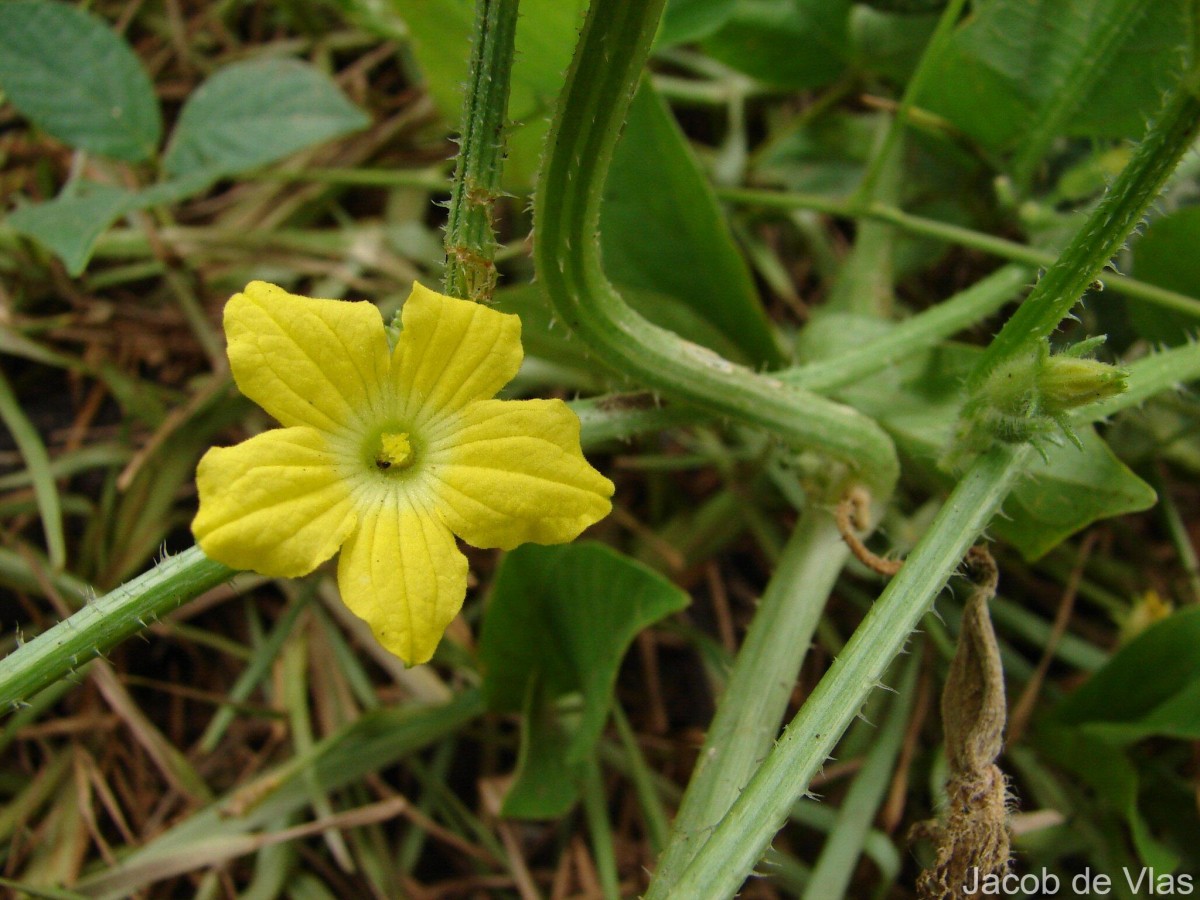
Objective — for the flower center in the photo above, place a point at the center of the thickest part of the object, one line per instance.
(395, 451)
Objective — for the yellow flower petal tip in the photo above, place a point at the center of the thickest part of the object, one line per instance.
(387, 455)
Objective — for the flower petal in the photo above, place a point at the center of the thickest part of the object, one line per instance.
(307, 362)
(451, 352)
(274, 503)
(403, 574)
(511, 471)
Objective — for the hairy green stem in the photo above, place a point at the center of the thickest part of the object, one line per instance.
(844, 846)
(104, 623)
(737, 843)
(751, 708)
(739, 840)
(470, 240)
(607, 64)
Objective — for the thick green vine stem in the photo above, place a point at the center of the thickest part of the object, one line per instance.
(608, 62)
(751, 708)
(734, 847)
(105, 622)
(470, 241)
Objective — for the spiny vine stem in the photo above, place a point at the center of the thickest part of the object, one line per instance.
(105, 622)
(722, 863)
(470, 239)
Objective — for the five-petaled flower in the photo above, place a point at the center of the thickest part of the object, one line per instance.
(388, 454)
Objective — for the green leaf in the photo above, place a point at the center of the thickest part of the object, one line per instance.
(70, 224)
(73, 77)
(556, 628)
(253, 113)
(547, 779)
(662, 230)
(918, 400)
(823, 155)
(684, 21)
(790, 43)
(890, 44)
(1166, 256)
(1019, 72)
(1148, 688)
(1105, 767)
(1070, 491)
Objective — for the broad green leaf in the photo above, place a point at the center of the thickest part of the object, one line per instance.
(253, 113)
(823, 156)
(1166, 256)
(790, 43)
(547, 778)
(1148, 688)
(918, 400)
(72, 76)
(1068, 492)
(545, 37)
(1018, 73)
(662, 230)
(69, 225)
(684, 21)
(890, 44)
(1106, 768)
(556, 628)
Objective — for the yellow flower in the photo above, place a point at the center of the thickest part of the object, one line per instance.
(388, 454)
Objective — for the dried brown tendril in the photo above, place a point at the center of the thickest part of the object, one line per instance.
(853, 514)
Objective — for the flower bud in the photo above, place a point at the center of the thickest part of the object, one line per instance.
(1065, 382)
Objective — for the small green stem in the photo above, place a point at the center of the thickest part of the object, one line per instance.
(654, 817)
(604, 72)
(954, 234)
(104, 623)
(431, 179)
(739, 840)
(751, 709)
(470, 240)
(932, 54)
(913, 335)
(618, 417)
